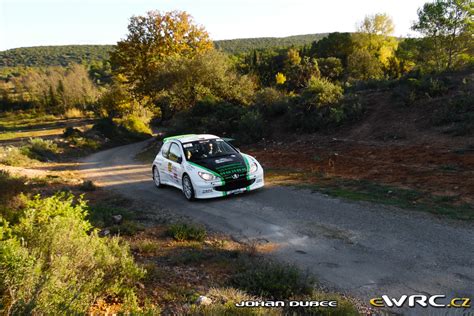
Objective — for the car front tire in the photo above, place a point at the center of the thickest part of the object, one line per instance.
(188, 188)
(156, 178)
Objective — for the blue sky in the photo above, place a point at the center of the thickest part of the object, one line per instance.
(59, 22)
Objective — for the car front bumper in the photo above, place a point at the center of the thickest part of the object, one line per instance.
(207, 190)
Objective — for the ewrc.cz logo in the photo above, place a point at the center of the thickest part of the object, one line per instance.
(420, 300)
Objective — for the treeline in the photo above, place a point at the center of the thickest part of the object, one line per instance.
(245, 45)
(63, 55)
(54, 55)
(53, 89)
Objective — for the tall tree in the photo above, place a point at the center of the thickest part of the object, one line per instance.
(151, 39)
(377, 24)
(448, 26)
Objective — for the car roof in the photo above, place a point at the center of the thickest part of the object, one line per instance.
(190, 137)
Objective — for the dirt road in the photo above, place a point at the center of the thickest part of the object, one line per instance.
(362, 249)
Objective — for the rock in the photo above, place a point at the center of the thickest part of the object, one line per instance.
(104, 232)
(203, 300)
(117, 219)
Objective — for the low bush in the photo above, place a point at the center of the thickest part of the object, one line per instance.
(135, 126)
(271, 279)
(184, 232)
(41, 149)
(209, 116)
(321, 92)
(14, 156)
(124, 130)
(457, 115)
(53, 262)
(271, 102)
(411, 89)
(10, 196)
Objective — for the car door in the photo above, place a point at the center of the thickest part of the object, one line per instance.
(162, 162)
(175, 167)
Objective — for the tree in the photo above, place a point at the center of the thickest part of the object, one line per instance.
(364, 66)
(299, 75)
(153, 38)
(182, 82)
(377, 24)
(448, 28)
(339, 45)
(375, 46)
(330, 68)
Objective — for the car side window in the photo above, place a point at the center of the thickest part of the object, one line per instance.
(175, 153)
(165, 149)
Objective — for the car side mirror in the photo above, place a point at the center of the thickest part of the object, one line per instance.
(179, 160)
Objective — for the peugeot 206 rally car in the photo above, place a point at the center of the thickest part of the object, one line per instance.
(205, 166)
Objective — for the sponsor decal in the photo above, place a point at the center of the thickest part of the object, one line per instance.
(170, 166)
(411, 301)
(222, 160)
(329, 304)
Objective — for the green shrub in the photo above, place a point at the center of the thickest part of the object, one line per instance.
(183, 231)
(88, 185)
(251, 127)
(72, 132)
(136, 126)
(331, 68)
(53, 262)
(321, 92)
(457, 115)
(209, 116)
(41, 149)
(271, 102)
(10, 195)
(124, 130)
(271, 279)
(107, 128)
(14, 156)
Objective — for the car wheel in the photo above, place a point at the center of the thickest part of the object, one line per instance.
(188, 189)
(156, 177)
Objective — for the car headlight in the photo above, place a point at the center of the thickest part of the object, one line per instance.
(206, 176)
(253, 167)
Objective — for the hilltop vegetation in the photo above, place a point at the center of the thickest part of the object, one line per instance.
(245, 45)
(63, 55)
(54, 55)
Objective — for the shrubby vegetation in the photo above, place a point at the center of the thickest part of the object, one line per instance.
(53, 262)
(189, 86)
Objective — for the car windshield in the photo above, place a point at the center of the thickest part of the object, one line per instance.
(209, 148)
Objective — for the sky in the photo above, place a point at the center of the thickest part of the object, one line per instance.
(26, 23)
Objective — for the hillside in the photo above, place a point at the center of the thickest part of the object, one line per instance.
(66, 54)
(53, 55)
(241, 45)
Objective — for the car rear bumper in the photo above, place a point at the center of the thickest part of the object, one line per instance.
(206, 190)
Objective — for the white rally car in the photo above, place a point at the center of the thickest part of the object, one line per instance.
(205, 166)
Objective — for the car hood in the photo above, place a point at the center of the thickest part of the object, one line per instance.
(231, 167)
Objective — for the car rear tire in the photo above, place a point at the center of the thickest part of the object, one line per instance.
(188, 189)
(156, 178)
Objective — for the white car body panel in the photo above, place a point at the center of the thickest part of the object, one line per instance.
(171, 172)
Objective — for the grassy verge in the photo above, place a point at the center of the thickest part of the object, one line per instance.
(363, 190)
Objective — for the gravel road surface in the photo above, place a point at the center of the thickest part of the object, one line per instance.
(361, 249)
